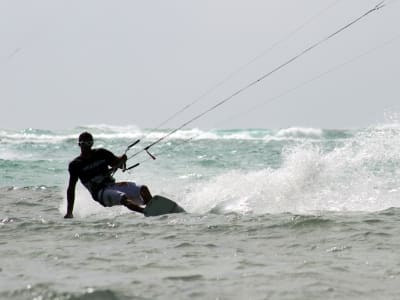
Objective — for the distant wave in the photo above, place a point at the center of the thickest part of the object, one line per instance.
(110, 132)
(300, 132)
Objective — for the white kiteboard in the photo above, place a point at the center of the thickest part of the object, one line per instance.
(159, 205)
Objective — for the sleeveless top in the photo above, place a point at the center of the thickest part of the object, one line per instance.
(94, 172)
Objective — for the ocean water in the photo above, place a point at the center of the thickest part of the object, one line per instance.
(296, 213)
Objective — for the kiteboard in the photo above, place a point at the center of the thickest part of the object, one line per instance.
(159, 205)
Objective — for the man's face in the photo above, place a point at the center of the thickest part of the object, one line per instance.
(85, 143)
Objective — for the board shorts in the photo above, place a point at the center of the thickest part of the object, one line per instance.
(113, 194)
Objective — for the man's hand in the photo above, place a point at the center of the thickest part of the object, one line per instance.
(123, 158)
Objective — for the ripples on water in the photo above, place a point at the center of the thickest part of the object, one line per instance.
(289, 214)
(232, 256)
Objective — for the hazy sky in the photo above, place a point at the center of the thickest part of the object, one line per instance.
(78, 62)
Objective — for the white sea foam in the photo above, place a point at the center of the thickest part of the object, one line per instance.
(22, 138)
(362, 175)
(300, 132)
(112, 128)
(85, 206)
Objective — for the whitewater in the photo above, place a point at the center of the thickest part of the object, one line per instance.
(294, 213)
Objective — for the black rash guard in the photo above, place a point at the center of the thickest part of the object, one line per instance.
(94, 172)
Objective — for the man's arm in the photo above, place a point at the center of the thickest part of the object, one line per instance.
(71, 196)
(123, 158)
(119, 162)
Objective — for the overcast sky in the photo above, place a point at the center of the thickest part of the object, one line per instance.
(79, 62)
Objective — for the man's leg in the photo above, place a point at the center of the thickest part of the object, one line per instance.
(139, 194)
(111, 196)
(130, 204)
(145, 193)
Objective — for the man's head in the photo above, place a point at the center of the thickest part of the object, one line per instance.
(85, 140)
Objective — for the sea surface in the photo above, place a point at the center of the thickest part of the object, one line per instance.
(295, 213)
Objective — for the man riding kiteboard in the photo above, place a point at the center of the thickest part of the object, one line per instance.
(93, 167)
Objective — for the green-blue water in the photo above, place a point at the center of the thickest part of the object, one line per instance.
(296, 213)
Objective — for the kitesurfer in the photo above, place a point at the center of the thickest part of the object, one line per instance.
(93, 167)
